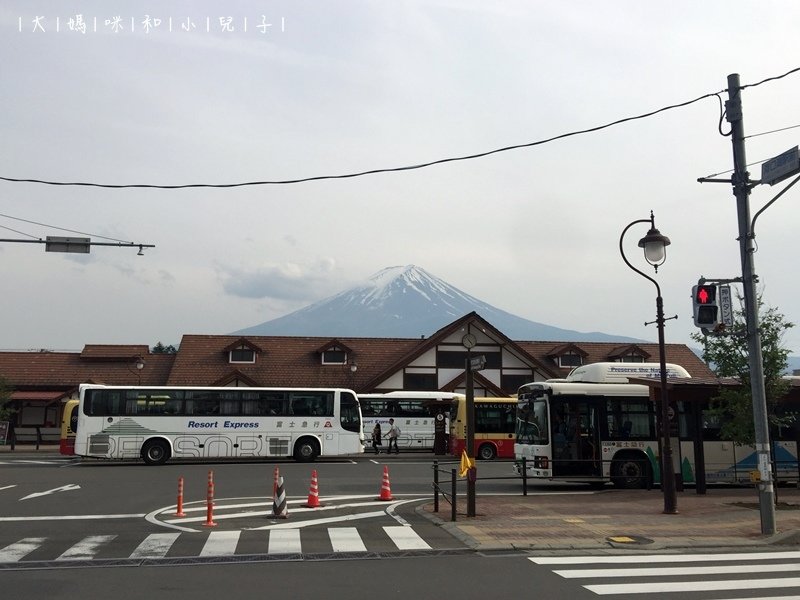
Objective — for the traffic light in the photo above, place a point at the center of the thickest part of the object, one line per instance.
(706, 308)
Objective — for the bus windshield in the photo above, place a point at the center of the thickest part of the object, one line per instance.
(532, 422)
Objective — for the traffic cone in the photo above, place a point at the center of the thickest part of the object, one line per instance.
(386, 490)
(313, 492)
(279, 509)
(179, 506)
(275, 481)
(210, 502)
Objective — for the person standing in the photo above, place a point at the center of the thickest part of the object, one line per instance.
(393, 434)
(376, 437)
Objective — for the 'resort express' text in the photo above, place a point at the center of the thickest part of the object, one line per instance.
(225, 425)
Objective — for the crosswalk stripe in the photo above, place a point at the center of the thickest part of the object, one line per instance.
(221, 543)
(155, 545)
(284, 541)
(660, 558)
(692, 586)
(346, 539)
(86, 548)
(18, 550)
(669, 571)
(406, 538)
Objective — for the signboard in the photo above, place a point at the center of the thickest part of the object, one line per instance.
(725, 305)
(782, 166)
(66, 244)
(4, 426)
(476, 363)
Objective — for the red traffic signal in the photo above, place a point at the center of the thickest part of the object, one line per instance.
(705, 294)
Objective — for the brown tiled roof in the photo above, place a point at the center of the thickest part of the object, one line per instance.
(678, 354)
(120, 352)
(66, 370)
(290, 361)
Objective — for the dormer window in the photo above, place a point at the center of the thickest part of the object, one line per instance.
(334, 356)
(570, 360)
(242, 354)
(631, 358)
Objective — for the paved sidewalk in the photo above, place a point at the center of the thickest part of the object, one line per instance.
(615, 519)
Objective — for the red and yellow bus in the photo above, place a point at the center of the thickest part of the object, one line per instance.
(495, 423)
(69, 425)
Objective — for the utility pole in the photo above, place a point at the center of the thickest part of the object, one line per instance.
(741, 190)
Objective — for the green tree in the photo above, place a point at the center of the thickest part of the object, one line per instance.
(160, 348)
(6, 410)
(728, 356)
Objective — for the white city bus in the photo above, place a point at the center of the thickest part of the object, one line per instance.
(594, 427)
(159, 423)
(414, 412)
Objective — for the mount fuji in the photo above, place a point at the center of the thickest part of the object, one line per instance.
(408, 302)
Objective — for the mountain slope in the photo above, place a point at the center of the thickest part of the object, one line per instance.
(408, 302)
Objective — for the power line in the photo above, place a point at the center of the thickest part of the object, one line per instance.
(390, 169)
(59, 228)
(773, 131)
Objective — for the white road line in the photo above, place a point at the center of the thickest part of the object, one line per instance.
(692, 586)
(285, 541)
(18, 550)
(346, 539)
(368, 515)
(221, 543)
(660, 558)
(405, 538)
(155, 545)
(669, 571)
(8, 487)
(72, 517)
(86, 548)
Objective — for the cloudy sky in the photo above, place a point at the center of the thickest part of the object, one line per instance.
(331, 88)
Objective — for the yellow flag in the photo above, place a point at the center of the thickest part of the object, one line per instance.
(466, 464)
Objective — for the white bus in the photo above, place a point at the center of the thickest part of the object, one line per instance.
(594, 427)
(159, 423)
(414, 412)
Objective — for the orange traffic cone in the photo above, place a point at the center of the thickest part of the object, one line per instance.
(313, 492)
(386, 490)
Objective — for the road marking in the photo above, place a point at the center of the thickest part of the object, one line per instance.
(669, 571)
(693, 586)
(155, 545)
(8, 487)
(406, 538)
(660, 558)
(346, 539)
(16, 551)
(221, 543)
(64, 488)
(72, 517)
(285, 541)
(86, 548)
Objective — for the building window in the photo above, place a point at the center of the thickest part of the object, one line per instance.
(570, 360)
(511, 383)
(420, 381)
(334, 356)
(631, 358)
(242, 354)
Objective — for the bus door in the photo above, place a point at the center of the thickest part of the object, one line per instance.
(575, 437)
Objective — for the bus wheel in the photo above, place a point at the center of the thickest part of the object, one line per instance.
(306, 450)
(155, 452)
(630, 471)
(487, 452)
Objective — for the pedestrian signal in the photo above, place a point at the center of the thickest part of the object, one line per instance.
(706, 309)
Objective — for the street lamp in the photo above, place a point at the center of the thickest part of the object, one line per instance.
(139, 364)
(655, 253)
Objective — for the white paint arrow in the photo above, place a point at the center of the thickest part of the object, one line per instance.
(63, 488)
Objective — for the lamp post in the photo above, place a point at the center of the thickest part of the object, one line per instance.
(139, 364)
(655, 253)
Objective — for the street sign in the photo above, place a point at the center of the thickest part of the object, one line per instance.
(477, 363)
(780, 167)
(66, 244)
(725, 305)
